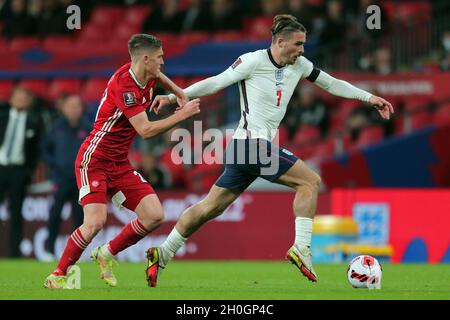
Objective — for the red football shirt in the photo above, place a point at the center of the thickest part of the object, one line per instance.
(113, 134)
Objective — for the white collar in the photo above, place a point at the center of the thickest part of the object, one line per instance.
(16, 113)
(135, 80)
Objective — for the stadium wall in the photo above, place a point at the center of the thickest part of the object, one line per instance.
(259, 225)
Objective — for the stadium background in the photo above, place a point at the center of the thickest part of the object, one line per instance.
(390, 178)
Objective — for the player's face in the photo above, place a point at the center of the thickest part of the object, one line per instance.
(153, 62)
(293, 47)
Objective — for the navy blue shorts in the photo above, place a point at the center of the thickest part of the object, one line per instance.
(248, 159)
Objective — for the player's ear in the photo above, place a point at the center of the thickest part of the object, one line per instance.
(280, 42)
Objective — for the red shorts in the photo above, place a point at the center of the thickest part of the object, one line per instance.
(118, 181)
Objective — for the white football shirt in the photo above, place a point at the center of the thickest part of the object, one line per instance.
(266, 88)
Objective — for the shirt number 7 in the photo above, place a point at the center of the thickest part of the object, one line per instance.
(279, 94)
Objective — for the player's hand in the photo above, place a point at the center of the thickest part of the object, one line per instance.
(159, 102)
(190, 109)
(182, 100)
(384, 107)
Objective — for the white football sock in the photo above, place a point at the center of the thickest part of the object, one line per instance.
(172, 244)
(303, 231)
(106, 249)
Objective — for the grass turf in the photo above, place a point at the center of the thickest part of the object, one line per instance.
(23, 279)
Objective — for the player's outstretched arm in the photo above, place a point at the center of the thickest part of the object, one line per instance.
(148, 129)
(344, 89)
(169, 85)
(241, 69)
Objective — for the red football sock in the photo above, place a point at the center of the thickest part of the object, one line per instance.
(74, 248)
(130, 234)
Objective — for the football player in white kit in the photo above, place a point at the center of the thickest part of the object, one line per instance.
(267, 79)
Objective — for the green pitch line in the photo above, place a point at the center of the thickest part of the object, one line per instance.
(23, 279)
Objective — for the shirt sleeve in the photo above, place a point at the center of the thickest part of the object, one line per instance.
(241, 69)
(341, 88)
(306, 68)
(127, 99)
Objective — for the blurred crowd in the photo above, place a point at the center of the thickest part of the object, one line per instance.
(332, 24)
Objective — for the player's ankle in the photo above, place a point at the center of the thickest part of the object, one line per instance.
(58, 272)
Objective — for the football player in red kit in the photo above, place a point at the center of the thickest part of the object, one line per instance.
(102, 167)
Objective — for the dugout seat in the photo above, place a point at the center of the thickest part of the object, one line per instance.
(90, 34)
(125, 30)
(441, 116)
(324, 149)
(55, 43)
(135, 15)
(92, 90)
(258, 28)
(193, 38)
(6, 87)
(306, 134)
(346, 107)
(105, 17)
(227, 36)
(24, 43)
(421, 119)
(412, 104)
(38, 86)
(202, 176)
(60, 86)
(369, 136)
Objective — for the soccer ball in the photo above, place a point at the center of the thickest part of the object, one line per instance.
(364, 272)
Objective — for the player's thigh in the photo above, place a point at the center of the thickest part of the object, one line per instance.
(218, 199)
(300, 175)
(95, 215)
(128, 189)
(92, 184)
(150, 209)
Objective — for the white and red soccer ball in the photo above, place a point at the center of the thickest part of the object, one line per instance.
(365, 272)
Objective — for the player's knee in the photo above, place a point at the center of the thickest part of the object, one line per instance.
(153, 218)
(95, 225)
(313, 182)
(316, 182)
(157, 217)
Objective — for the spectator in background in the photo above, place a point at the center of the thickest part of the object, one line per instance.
(18, 22)
(363, 117)
(378, 61)
(5, 9)
(272, 7)
(445, 52)
(20, 133)
(306, 109)
(164, 17)
(224, 16)
(196, 17)
(153, 172)
(52, 19)
(60, 148)
(303, 12)
(334, 30)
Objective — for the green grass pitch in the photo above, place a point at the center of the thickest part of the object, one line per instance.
(23, 279)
